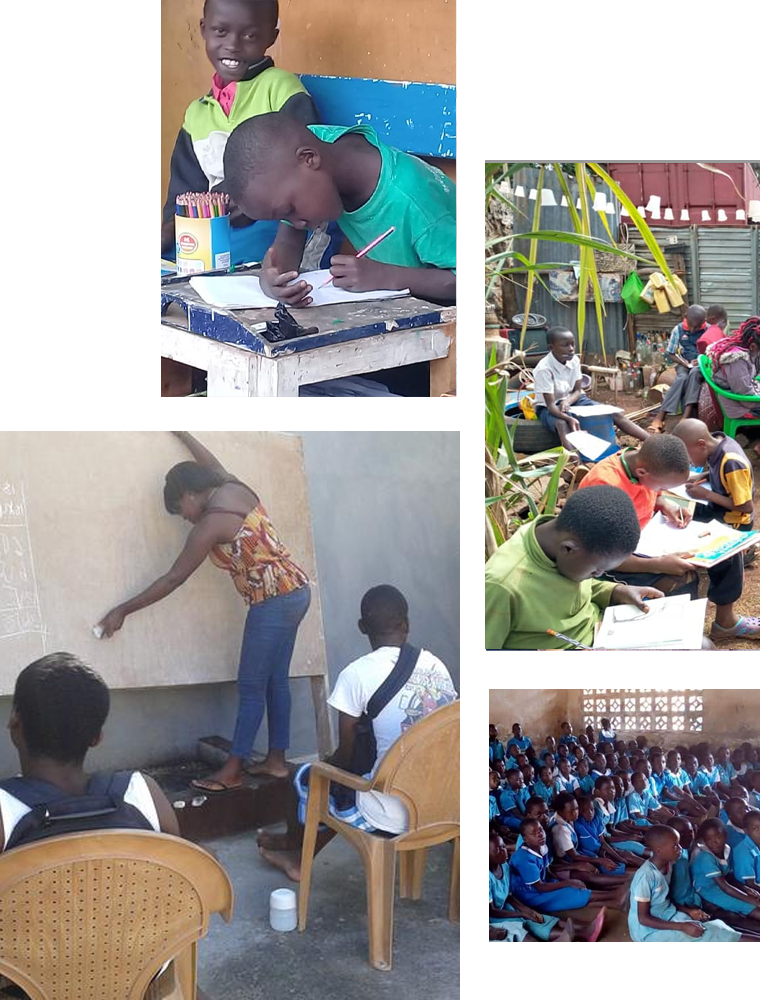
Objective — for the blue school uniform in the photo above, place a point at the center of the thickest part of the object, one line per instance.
(726, 772)
(607, 736)
(640, 803)
(652, 886)
(734, 835)
(510, 764)
(493, 807)
(705, 777)
(527, 868)
(747, 860)
(590, 833)
(522, 743)
(512, 806)
(586, 784)
(607, 815)
(682, 890)
(567, 739)
(546, 792)
(621, 811)
(517, 928)
(705, 868)
(754, 800)
(566, 784)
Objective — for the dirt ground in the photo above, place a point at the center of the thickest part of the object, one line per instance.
(749, 602)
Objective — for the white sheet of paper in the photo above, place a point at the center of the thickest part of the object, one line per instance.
(597, 410)
(680, 491)
(244, 291)
(672, 623)
(660, 538)
(589, 444)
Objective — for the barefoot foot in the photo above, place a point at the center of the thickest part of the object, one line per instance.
(288, 862)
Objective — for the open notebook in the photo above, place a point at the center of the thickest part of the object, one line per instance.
(244, 291)
(670, 623)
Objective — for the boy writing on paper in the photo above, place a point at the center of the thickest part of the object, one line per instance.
(546, 574)
(557, 381)
(278, 168)
(245, 83)
(660, 464)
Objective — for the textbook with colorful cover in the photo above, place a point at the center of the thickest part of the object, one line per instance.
(706, 542)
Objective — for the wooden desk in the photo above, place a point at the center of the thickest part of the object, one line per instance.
(352, 339)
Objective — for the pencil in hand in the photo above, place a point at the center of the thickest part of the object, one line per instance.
(366, 250)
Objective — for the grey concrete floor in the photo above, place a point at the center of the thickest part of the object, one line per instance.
(246, 960)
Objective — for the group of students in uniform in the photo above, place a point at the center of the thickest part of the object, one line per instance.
(672, 837)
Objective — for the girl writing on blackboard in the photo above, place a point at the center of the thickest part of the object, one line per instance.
(231, 527)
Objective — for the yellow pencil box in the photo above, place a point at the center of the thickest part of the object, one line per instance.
(202, 244)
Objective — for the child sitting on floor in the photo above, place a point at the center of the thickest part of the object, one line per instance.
(653, 916)
(713, 875)
(558, 386)
(506, 912)
(517, 738)
(533, 886)
(278, 168)
(736, 811)
(545, 574)
(747, 853)
(512, 800)
(544, 787)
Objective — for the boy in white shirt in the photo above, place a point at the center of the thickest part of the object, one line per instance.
(385, 622)
(557, 382)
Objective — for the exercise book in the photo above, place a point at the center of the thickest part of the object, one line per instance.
(707, 542)
(244, 291)
(669, 623)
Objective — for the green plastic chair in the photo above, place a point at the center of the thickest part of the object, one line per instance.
(730, 424)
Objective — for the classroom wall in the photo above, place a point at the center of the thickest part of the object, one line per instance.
(392, 40)
(538, 712)
(730, 715)
(385, 509)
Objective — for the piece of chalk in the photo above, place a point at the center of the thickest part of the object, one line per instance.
(97, 631)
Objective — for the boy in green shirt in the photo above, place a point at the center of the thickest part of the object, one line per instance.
(543, 576)
(278, 168)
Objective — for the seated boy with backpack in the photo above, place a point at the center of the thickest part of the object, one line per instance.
(59, 709)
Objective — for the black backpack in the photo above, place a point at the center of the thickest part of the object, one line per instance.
(54, 812)
(365, 746)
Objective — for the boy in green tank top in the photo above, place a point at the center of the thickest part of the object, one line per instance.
(278, 168)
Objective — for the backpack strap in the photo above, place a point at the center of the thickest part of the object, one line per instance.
(396, 679)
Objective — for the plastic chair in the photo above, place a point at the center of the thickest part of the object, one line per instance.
(421, 769)
(730, 424)
(96, 915)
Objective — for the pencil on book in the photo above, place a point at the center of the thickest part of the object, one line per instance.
(366, 250)
(559, 635)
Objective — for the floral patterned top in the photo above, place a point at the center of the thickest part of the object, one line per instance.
(259, 564)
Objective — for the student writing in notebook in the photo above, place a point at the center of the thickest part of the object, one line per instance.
(278, 168)
(661, 463)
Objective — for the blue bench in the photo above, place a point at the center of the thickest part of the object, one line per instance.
(419, 118)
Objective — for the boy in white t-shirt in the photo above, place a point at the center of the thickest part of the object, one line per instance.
(557, 382)
(385, 622)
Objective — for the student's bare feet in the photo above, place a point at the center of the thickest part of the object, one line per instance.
(230, 775)
(288, 862)
(592, 931)
(273, 766)
(275, 841)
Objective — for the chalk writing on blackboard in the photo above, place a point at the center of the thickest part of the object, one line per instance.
(19, 599)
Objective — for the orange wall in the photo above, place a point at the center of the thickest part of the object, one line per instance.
(388, 39)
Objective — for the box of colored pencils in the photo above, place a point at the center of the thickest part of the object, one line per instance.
(202, 227)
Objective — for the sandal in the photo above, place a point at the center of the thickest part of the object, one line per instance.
(212, 785)
(746, 628)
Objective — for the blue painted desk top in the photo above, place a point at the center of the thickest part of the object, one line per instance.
(337, 324)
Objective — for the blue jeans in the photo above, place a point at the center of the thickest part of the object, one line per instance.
(263, 678)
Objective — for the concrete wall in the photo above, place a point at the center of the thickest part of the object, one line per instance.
(385, 509)
(730, 716)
